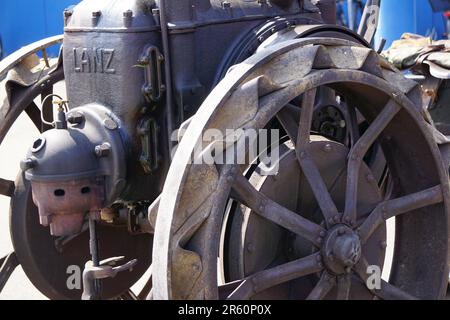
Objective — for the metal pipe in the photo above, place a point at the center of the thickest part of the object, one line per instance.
(167, 71)
(351, 14)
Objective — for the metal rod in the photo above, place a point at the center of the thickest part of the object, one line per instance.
(93, 249)
(167, 71)
(351, 14)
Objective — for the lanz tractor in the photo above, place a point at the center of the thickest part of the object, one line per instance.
(111, 187)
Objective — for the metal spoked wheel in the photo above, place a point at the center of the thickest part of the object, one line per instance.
(49, 262)
(314, 228)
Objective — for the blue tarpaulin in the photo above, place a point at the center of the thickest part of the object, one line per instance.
(25, 21)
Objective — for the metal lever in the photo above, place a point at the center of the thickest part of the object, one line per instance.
(106, 269)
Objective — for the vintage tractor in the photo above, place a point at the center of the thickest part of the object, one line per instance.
(109, 177)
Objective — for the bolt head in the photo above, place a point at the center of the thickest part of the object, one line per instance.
(75, 118)
(103, 150)
(128, 14)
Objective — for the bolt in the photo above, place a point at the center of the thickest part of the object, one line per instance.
(322, 233)
(318, 258)
(261, 208)
(75, 118)
(383, 244)
(103, 150)
(370, 178)
(302, 154)
(110, 124)
(319, 240)
(128, 14)
(28, 164)
(68, 13)
(330, 221)
(250, 247)
(330, 257)
(341, 231)
(195, 267)
(320, 264)
(336, 218)
(230, 178)
(226, 5)
(327, 148)
(348, 269)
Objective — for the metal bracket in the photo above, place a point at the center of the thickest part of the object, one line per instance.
(369, 20)
(106, 269)
(148, 132)
(152, 60)
(8, 265)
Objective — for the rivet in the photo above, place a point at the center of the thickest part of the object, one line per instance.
(320, 264)
(110, 124)
(250, 247)
(336, 218)
(302, 154)
(195, 267)
(319, 240)
(330, 220)
(383, 244)
(370, 178)
(341, 231)
(230, 178)
(348, 269)
(318, 258)
(322, 233)
(327, 148)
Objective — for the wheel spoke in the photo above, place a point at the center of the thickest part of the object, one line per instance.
(357, 154)
(395, 207)
(387, 291)
(7, 266)
(323, 287)
(306, 115)
(343, 287)
(245, 193)
(275, 276)
(6, 187)
(318, 187)
(34, 114)
(287, 119)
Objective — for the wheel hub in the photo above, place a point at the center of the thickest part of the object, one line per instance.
(341, 249)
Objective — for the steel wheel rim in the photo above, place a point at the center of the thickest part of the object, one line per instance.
(167, 243)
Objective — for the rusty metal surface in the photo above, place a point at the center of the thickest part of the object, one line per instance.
(188, 226)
